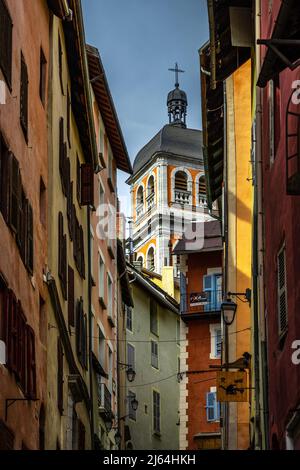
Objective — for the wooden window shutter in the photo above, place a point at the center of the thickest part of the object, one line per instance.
(62, 255)
(24, 97)
(71, 300)
(84, 341)
(15, 194)
(81, 436)
(61, 148)
(87, 184)
(70, 209)
(82, 263)
(29, 239)
(69, 117)
(78, 181)
(21, 358)
(31, 366)
(22, 232)
(79, 317)
(6, 158)
(5, 315)
(67, 171)
(282, 291)
(12, 347)
(5, 42)
(65, 268)
(60, 376)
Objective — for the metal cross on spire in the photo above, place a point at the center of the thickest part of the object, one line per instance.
(176, 70)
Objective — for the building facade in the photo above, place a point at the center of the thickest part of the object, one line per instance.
(107, 304)
(226, 71)
(72, 159)
(24, 65)
(200, 339)
(279, 151)
(167, 187)
(152, 343)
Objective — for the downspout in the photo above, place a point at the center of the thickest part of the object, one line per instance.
(225, 236)
(261, 332)
(90, 328)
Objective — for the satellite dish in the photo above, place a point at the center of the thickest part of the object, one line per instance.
(2, 352)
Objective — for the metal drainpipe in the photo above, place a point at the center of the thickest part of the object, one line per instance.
(225, 280)
(260, 238)
(90, 327)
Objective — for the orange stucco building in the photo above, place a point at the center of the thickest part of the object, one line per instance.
(201, 339)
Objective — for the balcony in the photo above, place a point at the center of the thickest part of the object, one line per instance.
(202, 200)
(104, 399)
(150, 200)
(139, 210)
(201, 304)
(182, 197)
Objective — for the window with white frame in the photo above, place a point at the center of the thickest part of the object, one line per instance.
(212, 406)
(129, 318)
(101, 278)
(156, 411)
(154, 354)
(282, 291)
(109, 295)
(215, 341)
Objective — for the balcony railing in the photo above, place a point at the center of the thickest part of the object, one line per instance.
(104, 399)
(182, 197)
(150, 200)
(202, 200)
(201, 302)
(139, 210)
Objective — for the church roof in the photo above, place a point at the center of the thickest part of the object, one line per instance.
(174, 140)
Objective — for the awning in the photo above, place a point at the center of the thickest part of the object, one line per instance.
(283, 48)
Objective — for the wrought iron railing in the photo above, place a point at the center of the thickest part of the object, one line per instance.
(198, 302)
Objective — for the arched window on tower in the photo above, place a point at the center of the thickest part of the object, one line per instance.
(140, 201)
(181, 193)
(150, 192)
(150, 259)
(140, 260)
(202, 191)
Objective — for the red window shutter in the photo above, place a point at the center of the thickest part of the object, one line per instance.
(6, 158)
(87, 184)
(14, 193)
(70, 209)
(71, 300)
(82, 264)
(24, 97)
(60, 376)
(5, 42)
(29, 239)
(5, 315)
(12, 347)
(81, 436)
(30, 366)
(21, 355)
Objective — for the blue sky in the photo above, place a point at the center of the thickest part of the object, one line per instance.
(138, 41)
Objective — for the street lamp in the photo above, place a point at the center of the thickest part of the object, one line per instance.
(228, 309)
(134, 404)
(130, 373)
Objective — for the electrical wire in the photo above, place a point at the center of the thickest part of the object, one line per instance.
(129, 340)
